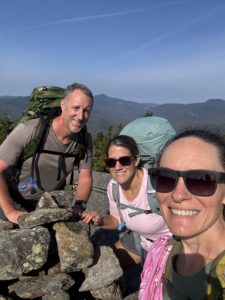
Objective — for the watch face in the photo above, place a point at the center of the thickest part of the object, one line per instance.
(83, 205)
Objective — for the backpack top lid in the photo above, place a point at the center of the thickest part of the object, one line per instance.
(43, 100)
(150, 134)
(46, 96)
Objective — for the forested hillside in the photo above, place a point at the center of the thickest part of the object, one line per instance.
(110, 111)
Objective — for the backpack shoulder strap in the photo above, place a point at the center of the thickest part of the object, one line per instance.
(34, 146)
(153, 202)
(175, 248)
(116, 197)
(39, 137)
(81, 147)
(151, 198)
(41, 133)
(115, 191)
(216, 279)
(80, 151)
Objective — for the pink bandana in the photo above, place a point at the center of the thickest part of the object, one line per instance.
(151, 287)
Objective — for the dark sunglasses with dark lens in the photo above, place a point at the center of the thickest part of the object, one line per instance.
(123, 160)
(198, 182)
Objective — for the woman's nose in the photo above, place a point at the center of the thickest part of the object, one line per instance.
(118, 165)
(181, 193)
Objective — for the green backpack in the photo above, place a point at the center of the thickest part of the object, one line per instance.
(150, 134)
(43, 100)
(45, 105)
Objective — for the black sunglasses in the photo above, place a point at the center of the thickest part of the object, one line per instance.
(123, 160)
(198, 182)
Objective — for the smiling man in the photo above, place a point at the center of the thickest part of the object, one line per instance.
(66, 137)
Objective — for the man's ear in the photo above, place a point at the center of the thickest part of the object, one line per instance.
(62, 104)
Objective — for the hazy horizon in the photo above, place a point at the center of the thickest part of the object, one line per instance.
(141, 102)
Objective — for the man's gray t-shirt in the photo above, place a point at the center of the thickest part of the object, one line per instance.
(12, 148)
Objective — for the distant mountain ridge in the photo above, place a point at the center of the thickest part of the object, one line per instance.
(114, 111)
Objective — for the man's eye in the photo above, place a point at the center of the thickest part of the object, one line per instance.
(76, 108)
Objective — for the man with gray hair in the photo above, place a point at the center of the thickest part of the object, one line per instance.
(17, 194)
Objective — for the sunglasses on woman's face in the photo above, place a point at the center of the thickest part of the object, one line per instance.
(198, 182)
(123, 160)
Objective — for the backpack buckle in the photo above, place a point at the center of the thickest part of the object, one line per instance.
(148, 211)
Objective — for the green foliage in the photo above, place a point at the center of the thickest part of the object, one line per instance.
(148, 114)
(100, 142)
(5, 123)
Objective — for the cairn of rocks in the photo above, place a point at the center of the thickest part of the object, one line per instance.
(51, 255)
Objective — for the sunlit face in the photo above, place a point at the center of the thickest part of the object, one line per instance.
(188, 215)
(122, 174)
(76, 109)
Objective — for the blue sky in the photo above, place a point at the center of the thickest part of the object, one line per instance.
(156, 51)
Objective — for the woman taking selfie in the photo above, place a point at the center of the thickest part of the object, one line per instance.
(190, 186)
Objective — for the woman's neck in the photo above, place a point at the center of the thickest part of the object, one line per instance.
(198, 251)
(132, 189)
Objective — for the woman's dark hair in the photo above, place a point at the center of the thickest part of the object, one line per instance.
(123, 141)
(208, 136)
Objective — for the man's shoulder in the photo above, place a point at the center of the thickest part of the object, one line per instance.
(30, 124)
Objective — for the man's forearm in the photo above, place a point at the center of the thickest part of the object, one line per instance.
(6, 203)
(84, 187)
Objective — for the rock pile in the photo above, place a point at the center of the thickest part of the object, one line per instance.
(51, 255)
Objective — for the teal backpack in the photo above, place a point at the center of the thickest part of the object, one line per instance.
(45, 104)
(150, 134)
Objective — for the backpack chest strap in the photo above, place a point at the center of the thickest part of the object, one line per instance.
(138, 211)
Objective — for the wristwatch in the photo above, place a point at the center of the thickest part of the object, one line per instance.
(81, 204)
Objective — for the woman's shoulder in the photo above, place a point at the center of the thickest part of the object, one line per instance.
(145, 174)
(112, 184)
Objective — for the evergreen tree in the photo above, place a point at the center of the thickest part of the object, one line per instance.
(5, 123)
(100, 142)
(148, 114)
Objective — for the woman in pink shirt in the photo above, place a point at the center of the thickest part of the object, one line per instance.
(140, 230)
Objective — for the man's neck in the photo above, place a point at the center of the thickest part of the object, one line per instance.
(60, 131)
